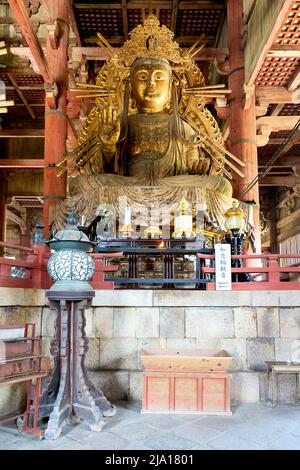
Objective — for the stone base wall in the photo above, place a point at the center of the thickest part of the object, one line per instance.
(253, 327)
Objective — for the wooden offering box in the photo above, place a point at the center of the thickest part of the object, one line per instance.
(186, 381)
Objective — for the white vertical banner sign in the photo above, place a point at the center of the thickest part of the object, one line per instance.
(223, 266)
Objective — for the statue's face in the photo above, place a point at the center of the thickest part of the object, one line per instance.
(151, 87)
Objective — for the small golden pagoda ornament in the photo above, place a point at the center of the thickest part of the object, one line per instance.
(183, 221)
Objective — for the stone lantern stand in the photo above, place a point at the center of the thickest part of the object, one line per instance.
(70, 395)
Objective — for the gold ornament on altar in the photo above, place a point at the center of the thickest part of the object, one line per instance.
(150, 119)
(234, 218)
(183, 221)
(153, 231)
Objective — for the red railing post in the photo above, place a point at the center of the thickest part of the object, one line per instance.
(274, 274)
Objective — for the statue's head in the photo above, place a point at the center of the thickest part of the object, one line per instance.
(151, 84)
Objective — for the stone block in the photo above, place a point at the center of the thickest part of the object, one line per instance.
(114, 384)
(245, 387)
(211, 343)
(89, 314)
(123, 298)
(287, 349)
(245, 322)
(289, 298)
(196, 298)
(149, 343)
(103, 322)
(285, 388)
(260, 350)
(16, 296)
(147, 322)
(171, 324)
(118, 353)
(34, 315)
(181, 343)
(290, 322)
(124, 322)
(267, 321)
(215, 322)
(264, 298)
(48, 321)
(237, 348)
(135, 386)
(92, 358)
(35, 297)
(12, 315)
(12, 399)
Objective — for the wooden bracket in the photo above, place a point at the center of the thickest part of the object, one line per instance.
(222, 67)
(248, 93)
(222, 108)
(53, 34)
(51, 95)
(263, 135)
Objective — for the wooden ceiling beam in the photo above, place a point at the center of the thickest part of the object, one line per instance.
(19, 10)
(30, 133)
(22, 163)
(97, 6)
(200, 5)
(276, 109)
(32, 86)
(74, 24)
(30, 104)
(289, 181)
(125, 19)
(165, 4)
(281, 162)
(277, 95)
(21, 95)
(98, 53)
(174, 15)
(283, 53)
(295, 79)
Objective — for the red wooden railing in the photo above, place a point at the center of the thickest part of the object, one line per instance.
(35, 268)
(269, 277)
(273, 272)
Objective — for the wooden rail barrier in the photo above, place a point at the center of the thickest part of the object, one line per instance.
(32, 271)
(272, 271)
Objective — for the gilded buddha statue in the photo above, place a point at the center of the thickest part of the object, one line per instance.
(158, 143)
(150, 136)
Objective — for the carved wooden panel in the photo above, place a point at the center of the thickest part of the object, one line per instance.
(290, 110)
(107, 21)
(196, 22)
(28, 79)
(34, 96)
(290, 31)
(277, 71)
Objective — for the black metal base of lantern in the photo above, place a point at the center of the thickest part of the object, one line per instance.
(236, 240)
(70, 395)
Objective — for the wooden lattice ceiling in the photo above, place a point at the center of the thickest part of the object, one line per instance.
(115, 19)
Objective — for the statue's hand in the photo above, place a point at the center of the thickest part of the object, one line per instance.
(109, 133)
(197, 162)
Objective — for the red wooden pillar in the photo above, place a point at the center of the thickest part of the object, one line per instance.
(242, 121)
(3, 196)
(56, 109)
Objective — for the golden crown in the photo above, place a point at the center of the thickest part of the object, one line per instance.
(150, 40)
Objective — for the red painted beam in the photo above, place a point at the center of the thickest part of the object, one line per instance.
(21, 15)
(11, 133)
(22, 163)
